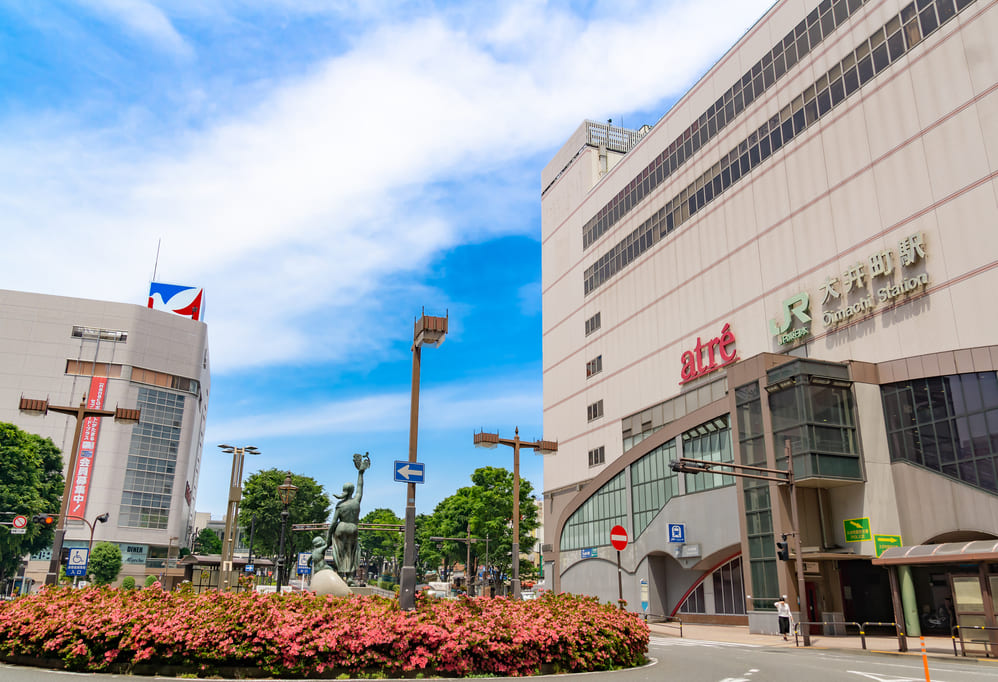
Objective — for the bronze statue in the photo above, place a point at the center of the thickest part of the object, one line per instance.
(318, 560)
(346, 517)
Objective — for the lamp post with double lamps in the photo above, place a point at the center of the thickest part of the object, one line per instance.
(232, 513)
(286, 491)
(541, 447)
(82, 412)
(428, 331)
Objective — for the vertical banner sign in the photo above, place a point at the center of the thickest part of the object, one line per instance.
(88, 446)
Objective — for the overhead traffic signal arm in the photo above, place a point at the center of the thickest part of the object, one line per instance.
(688, 465)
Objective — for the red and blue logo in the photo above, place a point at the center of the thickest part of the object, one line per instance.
(178, 299)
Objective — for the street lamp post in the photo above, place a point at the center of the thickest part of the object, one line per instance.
(82, 412)
(428, 331)
(541, 447)
(286, 491)
(785, 477)
(232, 513)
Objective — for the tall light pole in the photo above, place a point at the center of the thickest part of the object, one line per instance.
(785, 477)
(428, 331)
(286, 491)
(232, 513)
(541, 447)
(82, 412)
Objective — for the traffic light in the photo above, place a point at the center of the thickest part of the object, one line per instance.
(783, 550)
(47, 520)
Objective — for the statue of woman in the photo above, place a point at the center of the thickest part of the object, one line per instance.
(346, 517)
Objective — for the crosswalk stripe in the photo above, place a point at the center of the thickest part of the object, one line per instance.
(673, 641)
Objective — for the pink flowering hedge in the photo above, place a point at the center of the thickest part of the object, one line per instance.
(106, 629)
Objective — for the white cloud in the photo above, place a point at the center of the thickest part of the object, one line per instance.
(321, 197)
(449, 407)
(143, 21)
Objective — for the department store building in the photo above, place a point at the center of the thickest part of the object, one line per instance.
(145, 476)
(803, 249)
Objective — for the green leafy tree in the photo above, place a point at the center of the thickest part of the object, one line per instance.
(31, 483)
(260, 497)
(487, 506)
(105, 563)
(208, 542)
(380, 546)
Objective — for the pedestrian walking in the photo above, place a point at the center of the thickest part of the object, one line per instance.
(783, 611)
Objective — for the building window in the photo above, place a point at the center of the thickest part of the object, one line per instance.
(592, 324)
(594, 366)
(93, 369)
(154, 378)
(99, 334)
(811, 406)
(729, 593)
(947, 424)
(597, 456)
(711, 441)
(869, 58)
(758, 505)
(590, 524)
(653, 484)
(594, 411)
(152, 460)
(696, 602)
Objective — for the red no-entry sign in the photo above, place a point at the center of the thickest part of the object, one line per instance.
(618, 537)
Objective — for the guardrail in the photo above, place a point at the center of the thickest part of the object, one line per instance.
(861, 627)
(958, 630)
(672, 621)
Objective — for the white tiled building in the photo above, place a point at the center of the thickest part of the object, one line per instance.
(804, 247)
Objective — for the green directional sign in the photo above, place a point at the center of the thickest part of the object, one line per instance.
(882, 542)
(857, 530)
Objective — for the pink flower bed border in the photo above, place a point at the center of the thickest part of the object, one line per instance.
(105, 629)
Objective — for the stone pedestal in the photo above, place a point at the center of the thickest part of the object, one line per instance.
(329, 581)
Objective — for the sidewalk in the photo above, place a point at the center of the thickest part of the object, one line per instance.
(935, 647)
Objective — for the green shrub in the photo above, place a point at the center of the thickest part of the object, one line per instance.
(128, 582)
(150, 579)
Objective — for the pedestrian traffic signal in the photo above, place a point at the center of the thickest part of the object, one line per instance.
(783, 550)
(46, 520)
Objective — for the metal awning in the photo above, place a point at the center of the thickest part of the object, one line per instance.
(975, 551)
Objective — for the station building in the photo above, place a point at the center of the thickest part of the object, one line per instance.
(145, 476)
(804, 249)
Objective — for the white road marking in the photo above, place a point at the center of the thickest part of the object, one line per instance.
(883, 678)
(672, 641)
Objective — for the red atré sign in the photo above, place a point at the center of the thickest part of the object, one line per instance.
(709, 356)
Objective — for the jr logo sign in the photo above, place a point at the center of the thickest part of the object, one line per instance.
(794, 307)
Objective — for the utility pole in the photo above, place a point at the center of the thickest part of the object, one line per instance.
(82, 413)
(779, 476)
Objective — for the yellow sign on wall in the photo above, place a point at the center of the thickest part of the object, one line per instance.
(857, 530)
(882, 542)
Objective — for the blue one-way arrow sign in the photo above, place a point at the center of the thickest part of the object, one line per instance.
(410, 472)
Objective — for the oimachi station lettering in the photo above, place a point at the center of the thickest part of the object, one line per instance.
(856, 279)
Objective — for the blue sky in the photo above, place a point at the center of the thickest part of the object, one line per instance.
(326, 169)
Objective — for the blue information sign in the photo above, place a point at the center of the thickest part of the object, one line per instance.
(77, 564)
(410, 472)
(677, 532)
(589, 553)
(303, 567)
